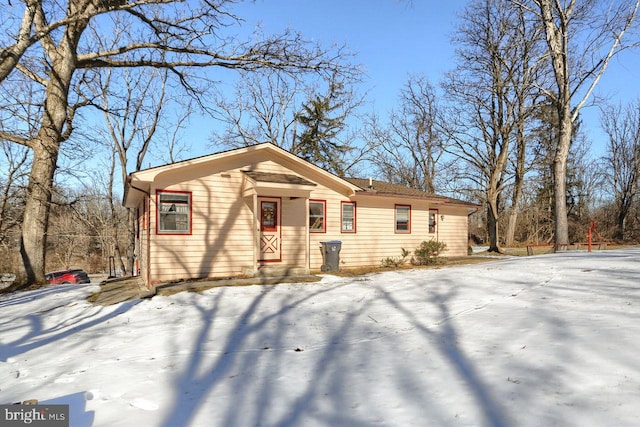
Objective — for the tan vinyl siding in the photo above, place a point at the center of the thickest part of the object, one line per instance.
(224, 230)
(454, 230)
(376, 239)
(220, 243)
(294, 232)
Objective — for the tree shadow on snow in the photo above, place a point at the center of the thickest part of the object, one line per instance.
(447, 339)
(257, 339)
(281, 363)
(78, 414)
(39, 335)
(258, 352)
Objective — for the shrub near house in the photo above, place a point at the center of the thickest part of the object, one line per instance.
(428, 252)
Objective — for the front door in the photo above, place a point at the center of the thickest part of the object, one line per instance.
(270, 238)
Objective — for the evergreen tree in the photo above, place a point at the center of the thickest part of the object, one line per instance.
(323, 119)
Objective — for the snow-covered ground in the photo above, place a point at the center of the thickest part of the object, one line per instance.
(551, 340)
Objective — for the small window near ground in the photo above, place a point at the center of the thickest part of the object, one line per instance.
(174, 212)
(348, 217)
(433, 218)
(317, 213)
(403, 219)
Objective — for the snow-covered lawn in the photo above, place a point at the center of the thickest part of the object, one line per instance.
(551, 340)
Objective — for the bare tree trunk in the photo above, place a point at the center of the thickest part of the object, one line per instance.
(518, 183)
(560, 180)
(492, 226)
(33, 241)
(513, 214)
(521, 157)
(558, 50)
(46, 148)
(114, 219)
(620, 229)
(115, 224)
(118, 255)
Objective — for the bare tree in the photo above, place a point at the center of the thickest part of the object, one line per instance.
(526, 83)
(582, 36)
(82, 232)
(59, 46)
(408, 151)
(490, 91)
(12, 192)
(286, 111)
(69, 235)
(105, 221)
(262, 108)
(135, 104)
(622, 125)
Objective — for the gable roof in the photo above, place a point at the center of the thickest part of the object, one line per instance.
(374, 187)
(139, 183)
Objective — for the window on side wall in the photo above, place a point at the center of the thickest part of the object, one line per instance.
(403, 219)
(348, 217)
(174, 212)
(317, 214)
(433, 218)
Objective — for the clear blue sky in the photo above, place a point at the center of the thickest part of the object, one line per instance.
(393, 39)
(390, 40)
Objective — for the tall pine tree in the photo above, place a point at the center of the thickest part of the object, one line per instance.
(323, 118)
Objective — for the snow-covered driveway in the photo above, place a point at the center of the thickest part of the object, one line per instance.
(550, 340)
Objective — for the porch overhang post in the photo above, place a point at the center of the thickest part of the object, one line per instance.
(256, 232)
(307, 255)
(147, 261)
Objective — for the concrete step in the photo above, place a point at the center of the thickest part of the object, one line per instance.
(279, 271)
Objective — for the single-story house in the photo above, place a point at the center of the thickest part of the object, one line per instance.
(261, 208)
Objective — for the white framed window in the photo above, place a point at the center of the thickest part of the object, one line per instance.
(348, 217)
(403, 219)
(317, 215)
(174, 212)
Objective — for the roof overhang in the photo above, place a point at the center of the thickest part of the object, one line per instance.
(134, 192)
(262, 183)
(434, 200)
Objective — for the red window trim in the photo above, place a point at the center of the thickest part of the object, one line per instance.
(173, 233)
(355, 223)
(279, 222)
(324, 217)
(395, 215)
(273, 229)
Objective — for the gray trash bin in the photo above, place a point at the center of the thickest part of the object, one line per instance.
(331, 255)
